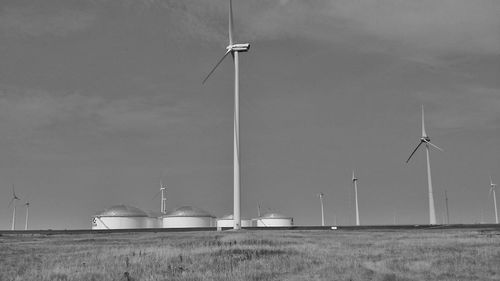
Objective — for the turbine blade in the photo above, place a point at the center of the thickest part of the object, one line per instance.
(230, 22)
(491, 181)
(414, 151)
(424, 134)
(434, 145)
(215, 67)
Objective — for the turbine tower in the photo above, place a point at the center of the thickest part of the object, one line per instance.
(234, 49)
(492, 192)
(355, 184)
(427, 141)
(13, 200)
(27, 204)
(163, 189)
(321, 195)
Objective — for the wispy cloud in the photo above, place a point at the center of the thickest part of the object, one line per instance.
(35, 114)
(447, 25)
(471, 107)
(55, 21)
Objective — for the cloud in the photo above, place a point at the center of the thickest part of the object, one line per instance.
(446, 25)
(389, 25)
(469, 107)
(36, 114)
(36, 22)
(406, 26)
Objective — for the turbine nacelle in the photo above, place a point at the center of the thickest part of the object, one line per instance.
(425, 139)
(244, 47)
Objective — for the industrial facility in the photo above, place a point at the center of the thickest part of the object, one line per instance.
(129, 217)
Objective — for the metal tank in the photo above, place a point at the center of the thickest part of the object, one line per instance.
(120, 217)
(188, 217)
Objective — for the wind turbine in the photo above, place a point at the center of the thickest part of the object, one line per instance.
(163, 189)
(447, 211)
(355, 184)
(427, 141)
(492, 191)
(13, 200)
(27, 204)
(321, 195)
(234, 49)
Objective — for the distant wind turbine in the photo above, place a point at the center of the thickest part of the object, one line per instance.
(492, 192)
(27, 204)
(447, 211)
(321, 195)
(355, 184)
(13, 201)
(234, 49)
(427, 141)
(163, 189)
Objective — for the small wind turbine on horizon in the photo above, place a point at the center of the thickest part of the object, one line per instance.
(13, 200)
(163, 189)
(321, 195)
(427, 141)
(355, 184)
(234, 49)
(492, 192)
(27, 204)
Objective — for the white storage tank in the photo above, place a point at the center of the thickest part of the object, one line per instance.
(274, 220)
(227, 221)
(154, 220)
(188, 217)
(120, 217)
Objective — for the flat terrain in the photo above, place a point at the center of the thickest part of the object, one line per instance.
(471, 254)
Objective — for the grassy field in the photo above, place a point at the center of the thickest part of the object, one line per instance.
(254, 255)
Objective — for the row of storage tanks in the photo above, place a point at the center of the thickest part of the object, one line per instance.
(128, 217)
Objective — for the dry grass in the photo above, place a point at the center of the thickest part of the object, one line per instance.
(254, 255)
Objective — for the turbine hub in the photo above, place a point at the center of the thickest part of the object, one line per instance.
(238, 47)
(425, 139)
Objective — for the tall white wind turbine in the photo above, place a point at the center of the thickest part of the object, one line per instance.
(492, 192)
(321, 195)
(13, 201)
(234, 49)
(427, 141)
(355, 184)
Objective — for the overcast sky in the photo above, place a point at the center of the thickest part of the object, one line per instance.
(101, 98)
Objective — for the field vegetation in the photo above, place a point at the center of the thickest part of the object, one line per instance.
(254, 255)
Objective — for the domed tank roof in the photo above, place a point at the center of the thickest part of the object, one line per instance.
(188, 211)
(274, 216)
(122, 211)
